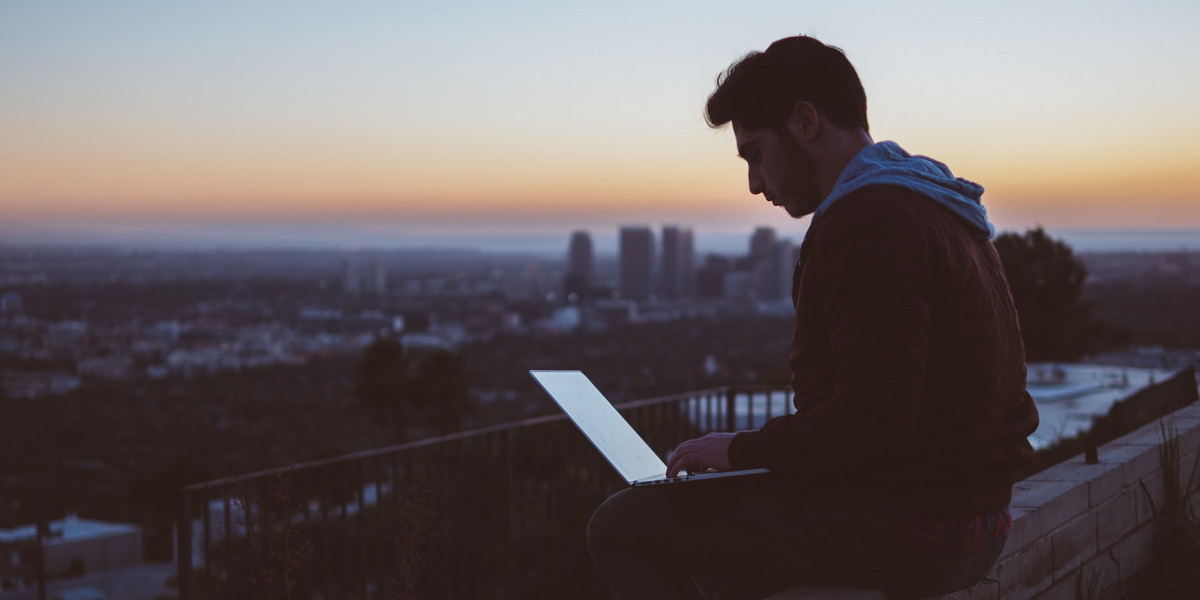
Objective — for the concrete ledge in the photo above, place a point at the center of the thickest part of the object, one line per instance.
(804, 592)
(1074, 522)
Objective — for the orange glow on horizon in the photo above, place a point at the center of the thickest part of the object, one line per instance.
(261, 180)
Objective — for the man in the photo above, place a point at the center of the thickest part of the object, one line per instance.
(907, 365)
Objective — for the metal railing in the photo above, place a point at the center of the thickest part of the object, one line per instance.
(494, 513)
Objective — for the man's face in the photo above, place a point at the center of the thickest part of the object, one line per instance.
(778, 169)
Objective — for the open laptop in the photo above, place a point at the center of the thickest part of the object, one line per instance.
(612, 435)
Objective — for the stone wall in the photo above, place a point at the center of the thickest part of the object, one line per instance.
(1075, 522)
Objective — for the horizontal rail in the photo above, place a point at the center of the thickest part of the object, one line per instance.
(217, 483)
(496, 512)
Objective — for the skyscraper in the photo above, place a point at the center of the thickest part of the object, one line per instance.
(785, 254)
(578, 280)
(762, 244)
(636, 262)
(765, 261)
(710, 278)
(677, 274)
(361, 275)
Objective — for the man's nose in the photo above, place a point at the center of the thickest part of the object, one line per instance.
(756, 184)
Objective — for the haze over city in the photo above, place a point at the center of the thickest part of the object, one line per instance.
(251, 124)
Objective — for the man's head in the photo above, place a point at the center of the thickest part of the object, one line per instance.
(799, 113)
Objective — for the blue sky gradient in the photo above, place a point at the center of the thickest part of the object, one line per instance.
(544, 116)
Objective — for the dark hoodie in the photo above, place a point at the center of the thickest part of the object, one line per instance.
(907, 361)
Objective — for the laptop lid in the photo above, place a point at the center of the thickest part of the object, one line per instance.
(603, 425)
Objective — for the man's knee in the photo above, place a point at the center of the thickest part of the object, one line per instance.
(625, 519)
(610, 518)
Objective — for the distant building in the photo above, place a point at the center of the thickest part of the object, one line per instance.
(785, 267)
(710, 278)
(35, 384)
(73, 546)
(677, 274)
(765, 263)
(67, 334)
(11, 303)
(352, 278)
(578, 282)
(611, 312)
(565, 318)
(636, 263)
(164, 331)
(364, 277)
(530, 283)
(762, 244)
(112, 366)
(739, 285)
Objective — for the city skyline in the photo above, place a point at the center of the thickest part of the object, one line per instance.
(229, 123)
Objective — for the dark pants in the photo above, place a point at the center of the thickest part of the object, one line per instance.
(754, 536)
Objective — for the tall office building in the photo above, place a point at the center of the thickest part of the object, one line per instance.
(580, 263)
(361, 276)
(762, 245)
(765, 261)
(636, 262)
(710, 278)
(786, 257)
(677, 274)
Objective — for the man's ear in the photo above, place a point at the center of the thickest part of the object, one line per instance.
(805, 122)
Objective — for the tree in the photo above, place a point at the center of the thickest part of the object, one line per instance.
(438, 388)
(423, 387)
(1047, 284)
(383, 384)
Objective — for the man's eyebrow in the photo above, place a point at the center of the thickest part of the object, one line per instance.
(744, 149)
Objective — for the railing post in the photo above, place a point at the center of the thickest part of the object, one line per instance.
(362, 524)
(730, 409)
(230, 579)
(206, 539)
(183, 546)
(327, 586)
(510, 524)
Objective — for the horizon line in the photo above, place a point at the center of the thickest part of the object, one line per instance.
(541, 240)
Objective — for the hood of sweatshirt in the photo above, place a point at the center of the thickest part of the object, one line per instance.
(886, 163)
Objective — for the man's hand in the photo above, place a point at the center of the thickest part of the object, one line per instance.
(708, 452)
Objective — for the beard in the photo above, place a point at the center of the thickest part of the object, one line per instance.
(798, 187)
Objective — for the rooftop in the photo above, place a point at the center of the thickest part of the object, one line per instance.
(68, 529)
(1068, 397)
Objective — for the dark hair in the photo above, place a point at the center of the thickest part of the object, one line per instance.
(761, 90)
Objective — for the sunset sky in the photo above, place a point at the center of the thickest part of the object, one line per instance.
(226, 121)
